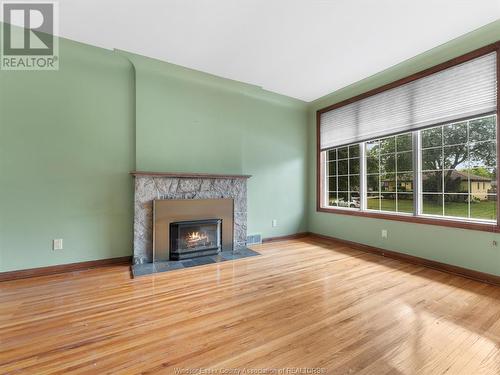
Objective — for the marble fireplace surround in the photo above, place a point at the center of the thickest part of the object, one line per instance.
(157, 185)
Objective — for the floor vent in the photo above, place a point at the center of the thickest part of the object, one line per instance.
(254, 239)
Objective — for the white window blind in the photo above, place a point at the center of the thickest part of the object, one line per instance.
(464, 90)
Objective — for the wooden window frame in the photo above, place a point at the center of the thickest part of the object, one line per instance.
(446, 222)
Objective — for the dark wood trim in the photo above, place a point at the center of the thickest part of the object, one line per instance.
(455, 270)
(498, 130)
(62, 268)
(287, 237)
(319, 162)
(494, 47)
(444, 222)
(188, 175)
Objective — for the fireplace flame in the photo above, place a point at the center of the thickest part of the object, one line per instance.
(196, 238)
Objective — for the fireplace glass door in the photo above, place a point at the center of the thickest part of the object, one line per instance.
(195, 238)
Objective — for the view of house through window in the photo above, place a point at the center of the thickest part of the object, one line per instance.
(459, 169)
(456, 172)
(389, 174)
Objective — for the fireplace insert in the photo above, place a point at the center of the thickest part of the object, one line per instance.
(195, 238)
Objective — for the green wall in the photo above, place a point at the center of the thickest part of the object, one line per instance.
(189, 121)
(69, 138)
(466, 248)
(66, 147)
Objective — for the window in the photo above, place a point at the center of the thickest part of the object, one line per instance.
(421, 149)
(343, 172)
(389, 174)
(456, 160)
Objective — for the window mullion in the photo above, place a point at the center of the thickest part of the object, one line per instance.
(442, 169)
(362, 175)
(469, 188)
(325, 175)
(417, 171)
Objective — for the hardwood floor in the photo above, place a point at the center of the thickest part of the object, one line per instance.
(305, 303)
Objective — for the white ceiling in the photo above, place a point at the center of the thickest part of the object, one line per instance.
(301, 48)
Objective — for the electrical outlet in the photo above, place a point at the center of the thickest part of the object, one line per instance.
(57, 244)
(384, 233)
(275, 223)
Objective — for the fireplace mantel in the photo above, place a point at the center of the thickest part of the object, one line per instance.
(188, 175)
(153, 186)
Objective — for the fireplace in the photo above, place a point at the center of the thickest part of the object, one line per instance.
(195, 238)
(174, 211)
(161, 199)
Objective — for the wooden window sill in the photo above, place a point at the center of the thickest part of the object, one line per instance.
(485, 227)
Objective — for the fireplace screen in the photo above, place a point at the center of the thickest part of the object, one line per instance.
(189, 239)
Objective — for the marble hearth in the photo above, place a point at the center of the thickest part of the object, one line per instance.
(151, 186)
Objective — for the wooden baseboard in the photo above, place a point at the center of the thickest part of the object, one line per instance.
(287, 237)
(62, 268)
(455, 270)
